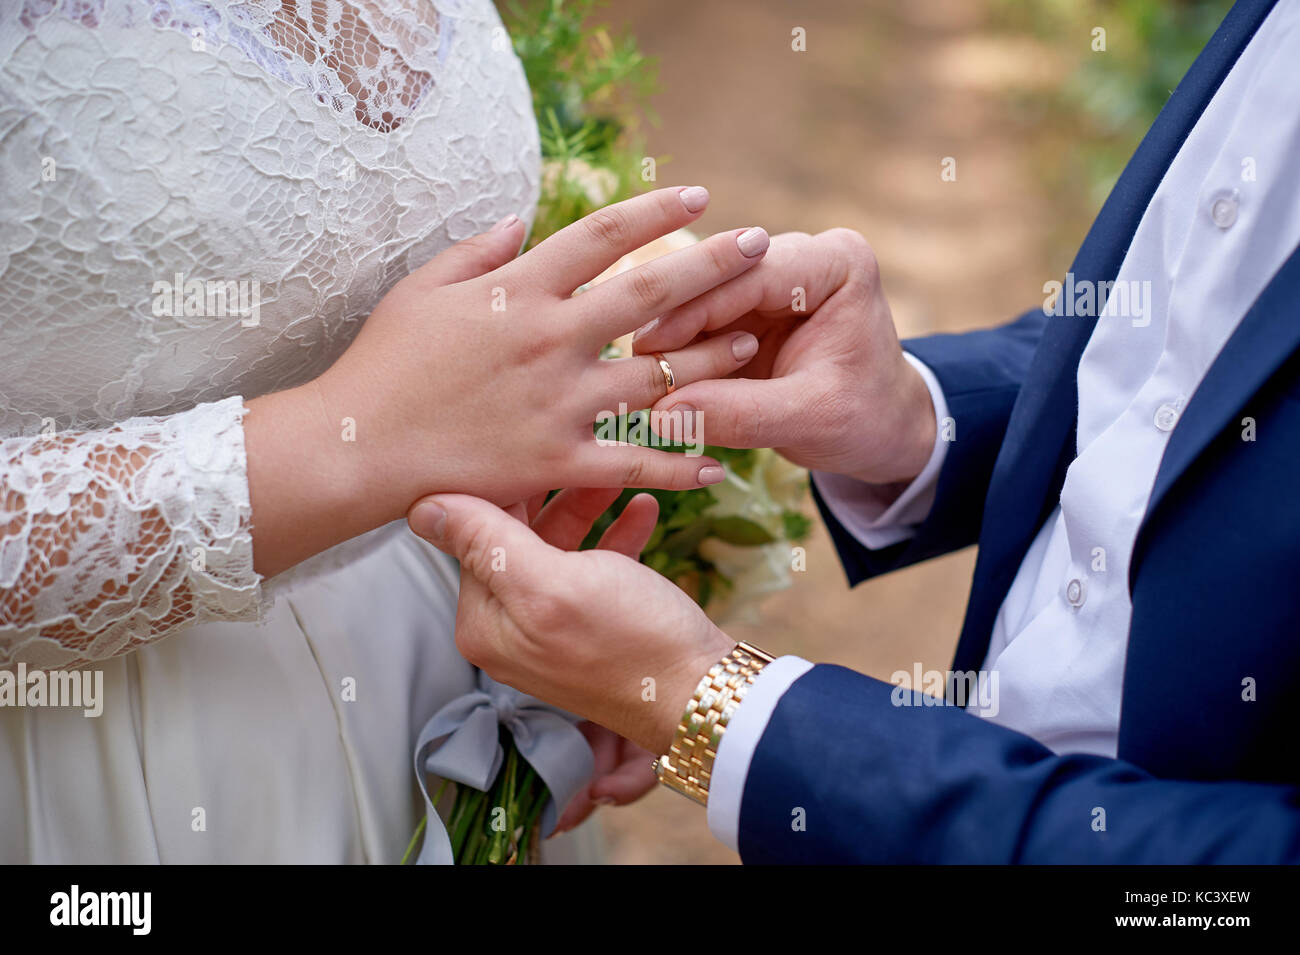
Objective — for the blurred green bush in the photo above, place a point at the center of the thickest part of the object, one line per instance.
(1111, 95)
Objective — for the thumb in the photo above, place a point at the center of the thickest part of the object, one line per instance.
(478, 255)
(745, 412)
(494, 547)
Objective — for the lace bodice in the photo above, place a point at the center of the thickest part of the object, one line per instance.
(200, 202)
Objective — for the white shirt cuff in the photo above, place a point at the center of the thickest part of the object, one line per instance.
(736, 751)
(869, 511)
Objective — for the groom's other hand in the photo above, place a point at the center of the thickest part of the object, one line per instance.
(829, 388)
(621, 773)
(593, 632)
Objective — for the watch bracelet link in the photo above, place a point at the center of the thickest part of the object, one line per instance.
(687, 767)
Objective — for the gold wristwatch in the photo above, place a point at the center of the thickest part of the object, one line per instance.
(687, 767)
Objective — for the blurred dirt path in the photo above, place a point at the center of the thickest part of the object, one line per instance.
(852, 132)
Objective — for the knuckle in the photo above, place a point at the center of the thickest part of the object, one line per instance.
(747, 422)
(540, 341)
(654, 377)
(719, 259)
(634, 472)
(609, 226)
(856, 292)
(859, 250)
(850, 240)
(476, 545)
(669, 204)
(549, 612)
(475, 247)
(649, 287)
(470, 646)
(474, 252)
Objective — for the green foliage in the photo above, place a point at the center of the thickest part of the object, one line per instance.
(1149, 48)
(1110, 97)
(590, 96)
(688, 518)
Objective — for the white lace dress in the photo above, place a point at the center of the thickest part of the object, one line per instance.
(300, 158)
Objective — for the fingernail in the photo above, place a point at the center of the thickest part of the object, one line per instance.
(713, 474)
(646, 328)
(694, 198)
(752, 242)
(505, 223)
(605, 801)
(744, 346)
(683, 409)
(428, 520)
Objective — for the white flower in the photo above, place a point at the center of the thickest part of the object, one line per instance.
(755, 573)
(596, 184)
(787, 483)
(775, 486)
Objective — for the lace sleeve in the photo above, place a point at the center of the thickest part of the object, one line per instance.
(111, 539)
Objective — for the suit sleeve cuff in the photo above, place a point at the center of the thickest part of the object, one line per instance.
(731, 765)
(871, 512)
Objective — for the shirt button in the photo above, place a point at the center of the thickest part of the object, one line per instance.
(1223, 210)
(1076, 592)
(1166, 417)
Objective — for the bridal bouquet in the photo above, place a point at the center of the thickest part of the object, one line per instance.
(728, 545)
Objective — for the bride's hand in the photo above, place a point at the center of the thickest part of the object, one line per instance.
(623, 774)
(481, 374)
(594, 632)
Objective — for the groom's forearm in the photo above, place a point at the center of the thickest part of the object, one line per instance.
(853, 770)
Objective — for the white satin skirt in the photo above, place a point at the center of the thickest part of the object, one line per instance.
(288, 740)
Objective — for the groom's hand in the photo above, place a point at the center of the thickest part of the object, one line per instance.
(593, 632)
(829, 387)
(621, 773)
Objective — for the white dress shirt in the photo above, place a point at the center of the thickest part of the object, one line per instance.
(1222, 221)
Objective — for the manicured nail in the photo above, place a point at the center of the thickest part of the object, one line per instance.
(429, 520)
(646, 329)
(744, 346)
(505, 223)
(752, 242)
(694, 198)
(713, 474)
(605, 801)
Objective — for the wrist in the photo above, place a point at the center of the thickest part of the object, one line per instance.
(305, 480)
(910, 432)
(687, 764)
(356, 451)
(678, 687)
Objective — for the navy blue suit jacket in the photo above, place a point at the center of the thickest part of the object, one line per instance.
(1202, 774)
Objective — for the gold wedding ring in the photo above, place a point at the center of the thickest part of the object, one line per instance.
(670, 382)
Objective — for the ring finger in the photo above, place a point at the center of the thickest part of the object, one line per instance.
(642, 380)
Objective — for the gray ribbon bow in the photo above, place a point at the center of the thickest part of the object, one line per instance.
(461, 743)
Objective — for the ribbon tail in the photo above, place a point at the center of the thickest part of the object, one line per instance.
(436, 848)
